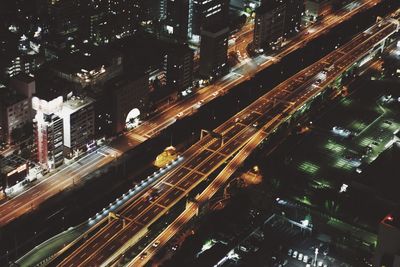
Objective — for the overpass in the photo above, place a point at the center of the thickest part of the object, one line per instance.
(303, 88)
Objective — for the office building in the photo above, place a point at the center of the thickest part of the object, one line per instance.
(316, 9)
(179, 68)
(128, 97)
(387, 252)
(16, 109)
(48, 132)
(179, 19)
(294, 11)
(269, 26)
(213, 51)
(89, 68)
(208, 12)
(78, 116)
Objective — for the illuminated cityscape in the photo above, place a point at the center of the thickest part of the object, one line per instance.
(199, 133)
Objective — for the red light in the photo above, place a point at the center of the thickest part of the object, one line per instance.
(389, 218)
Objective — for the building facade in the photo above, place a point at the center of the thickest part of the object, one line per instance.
(214, 51)
(78, 116)
(179, 68)
(128, 98)
(15, 107)
(208, 12)
(269, 26)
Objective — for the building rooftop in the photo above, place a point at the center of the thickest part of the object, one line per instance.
(86, 60)
(9, 97)
(75, 103)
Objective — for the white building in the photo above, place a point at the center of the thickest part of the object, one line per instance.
(62, 128)
(78, 119)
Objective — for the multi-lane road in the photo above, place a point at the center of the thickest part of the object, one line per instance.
(53, 184)
(69, 175)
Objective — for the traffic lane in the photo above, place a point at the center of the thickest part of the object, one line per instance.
(117, 242)
(135, 209)
(190, 181)
(91, 246)
(170, 196)
(197, 159)
(173, 179)
(32, 198)
(209, 164)
(229, 148)
(44, 184)
(149, 214)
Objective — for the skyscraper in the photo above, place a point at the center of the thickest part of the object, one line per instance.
(214, 50)
(179, 19)
(268, 26)
(206, 12)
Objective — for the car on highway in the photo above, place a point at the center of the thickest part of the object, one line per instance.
(156, 244)
(215, 93)
(179, 115)
(143, 255)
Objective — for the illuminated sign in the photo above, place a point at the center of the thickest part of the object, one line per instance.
(17, 170)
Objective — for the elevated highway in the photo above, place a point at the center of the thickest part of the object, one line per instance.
(299, 91)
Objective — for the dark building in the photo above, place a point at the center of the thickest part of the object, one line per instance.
(179, 67)
(294, 10)
(16, 108)
(316, 9)
(153, 10)
(128, 97)
(179, 19)
(111, 20)
(269, 26)
(208, 12)
(213, 51)
(13, 170)
(387, 252)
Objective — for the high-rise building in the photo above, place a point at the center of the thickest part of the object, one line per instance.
(78, 124)
(213, 51)
(387, 251)
(48, 132)
(179, 68)
(128, 97)
(179, 19)
(294, 10)
(269, 26)
(208, 12)
(15, 107)
(113, 19)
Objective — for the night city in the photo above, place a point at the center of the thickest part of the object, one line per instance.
(199, 133)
